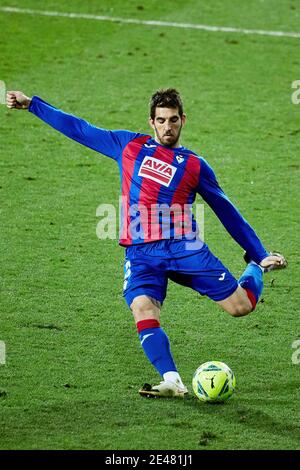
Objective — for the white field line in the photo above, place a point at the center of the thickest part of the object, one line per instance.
(203, 27)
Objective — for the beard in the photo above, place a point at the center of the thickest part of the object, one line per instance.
(169, 139)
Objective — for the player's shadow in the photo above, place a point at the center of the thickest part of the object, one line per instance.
(245, 412)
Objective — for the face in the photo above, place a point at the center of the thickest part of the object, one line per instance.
(167, 126)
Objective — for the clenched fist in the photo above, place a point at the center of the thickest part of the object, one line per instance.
(273, 261)
(17, 99)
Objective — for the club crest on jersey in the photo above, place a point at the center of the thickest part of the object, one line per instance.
(158, 171)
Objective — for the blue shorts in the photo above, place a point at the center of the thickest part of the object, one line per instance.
(148, 267)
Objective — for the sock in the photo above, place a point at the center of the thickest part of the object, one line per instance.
(252, 281)
(173, 377)
(156, 346)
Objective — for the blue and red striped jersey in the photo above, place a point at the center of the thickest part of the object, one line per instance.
(158, 184)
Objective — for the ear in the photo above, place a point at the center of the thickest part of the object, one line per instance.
(183, 119)
(151, 122)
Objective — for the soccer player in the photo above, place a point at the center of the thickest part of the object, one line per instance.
(159, 182)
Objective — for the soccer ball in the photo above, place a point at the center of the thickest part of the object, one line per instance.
(213, 382)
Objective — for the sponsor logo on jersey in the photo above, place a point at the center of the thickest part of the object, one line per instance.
(158, 171)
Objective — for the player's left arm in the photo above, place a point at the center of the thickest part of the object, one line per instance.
(238, 227)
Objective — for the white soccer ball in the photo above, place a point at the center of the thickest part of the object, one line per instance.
(213, 382)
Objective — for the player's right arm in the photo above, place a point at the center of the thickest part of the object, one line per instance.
(107, 142)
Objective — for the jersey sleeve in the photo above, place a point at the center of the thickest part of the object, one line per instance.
(107, 142)
(240, 230)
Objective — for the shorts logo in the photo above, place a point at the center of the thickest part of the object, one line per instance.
(222, 277)
(158, 171)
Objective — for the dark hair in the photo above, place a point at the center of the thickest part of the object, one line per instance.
(166, 98)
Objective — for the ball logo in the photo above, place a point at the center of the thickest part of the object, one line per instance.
(158, 171)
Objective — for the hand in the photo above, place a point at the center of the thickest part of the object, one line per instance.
(17, 99)
(274, 260)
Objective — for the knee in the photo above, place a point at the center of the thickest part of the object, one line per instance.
(238, 304)
(144, 308)
(240, 309)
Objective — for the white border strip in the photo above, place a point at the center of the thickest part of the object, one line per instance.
(150, 22)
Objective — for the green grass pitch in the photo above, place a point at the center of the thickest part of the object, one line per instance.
(74, 362)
